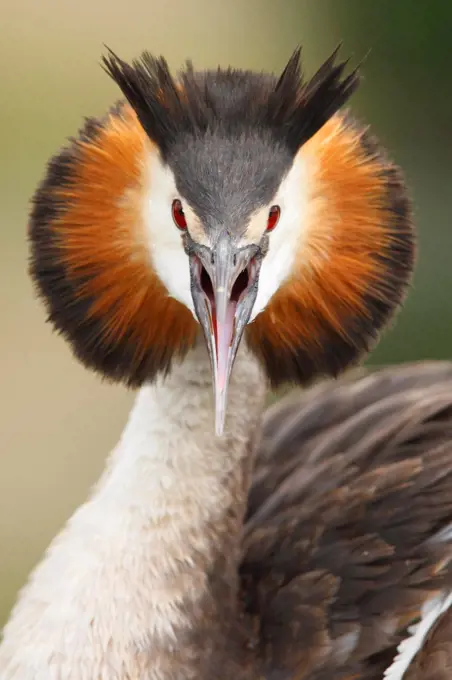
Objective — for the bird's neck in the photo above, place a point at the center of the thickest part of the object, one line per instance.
(145, 573)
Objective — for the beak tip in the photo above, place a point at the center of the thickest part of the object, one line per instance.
(220, 413)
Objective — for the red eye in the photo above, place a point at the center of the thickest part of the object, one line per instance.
(179, 215)
(273, 217)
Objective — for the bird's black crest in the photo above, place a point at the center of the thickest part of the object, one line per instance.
(290, 107)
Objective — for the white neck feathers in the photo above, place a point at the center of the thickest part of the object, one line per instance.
(122, 581)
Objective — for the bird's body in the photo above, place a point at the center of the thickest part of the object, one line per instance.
(303, 548)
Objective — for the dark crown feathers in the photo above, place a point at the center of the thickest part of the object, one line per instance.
(290, 107)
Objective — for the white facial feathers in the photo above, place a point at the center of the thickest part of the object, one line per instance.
(165, 242)
(286, 239)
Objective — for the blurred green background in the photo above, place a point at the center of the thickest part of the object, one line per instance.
(58, 421)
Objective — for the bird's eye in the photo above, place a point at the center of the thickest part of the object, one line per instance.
(273, 217)
(179, 215)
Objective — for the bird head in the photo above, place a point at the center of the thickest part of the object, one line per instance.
(242, 204)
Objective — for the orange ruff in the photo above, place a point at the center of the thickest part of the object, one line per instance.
(102, 239)
(350, 228)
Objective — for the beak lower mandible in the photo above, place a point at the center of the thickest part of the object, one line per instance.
(226, 311)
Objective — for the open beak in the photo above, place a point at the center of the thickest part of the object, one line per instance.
(224, 288)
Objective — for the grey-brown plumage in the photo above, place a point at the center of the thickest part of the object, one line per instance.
(353, 482)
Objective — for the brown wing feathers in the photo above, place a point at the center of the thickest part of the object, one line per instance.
(337, 552)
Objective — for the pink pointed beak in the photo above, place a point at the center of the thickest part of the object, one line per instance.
(224, 288)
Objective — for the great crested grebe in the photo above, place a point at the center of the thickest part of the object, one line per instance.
(238, 229)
